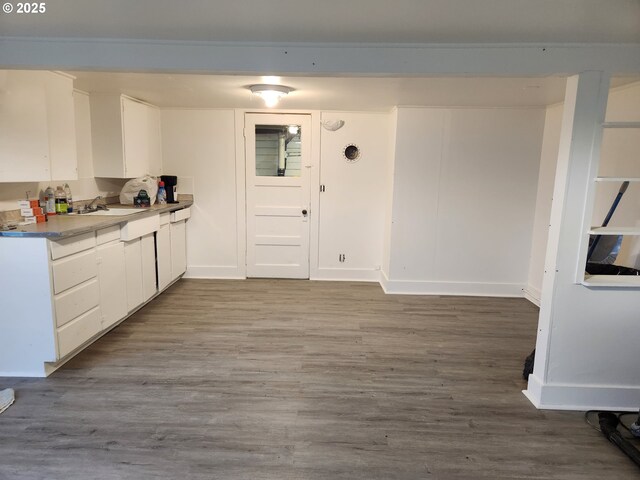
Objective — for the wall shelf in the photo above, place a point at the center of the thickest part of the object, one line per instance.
(615, 231)
(624, 281)
(621, 125)
(618, 179)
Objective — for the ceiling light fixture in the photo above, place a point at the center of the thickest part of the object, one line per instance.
(271, 94)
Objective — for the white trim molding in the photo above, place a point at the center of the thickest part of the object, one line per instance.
(581, 397)
(532, 294)
(346, 274)
(215, 272)
(470, 289)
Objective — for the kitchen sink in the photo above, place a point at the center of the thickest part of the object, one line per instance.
(114, 212)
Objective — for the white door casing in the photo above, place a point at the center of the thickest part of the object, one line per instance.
(278, 207)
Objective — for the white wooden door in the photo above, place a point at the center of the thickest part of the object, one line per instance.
(278, 155)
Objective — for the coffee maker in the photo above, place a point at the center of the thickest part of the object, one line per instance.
(171, 186)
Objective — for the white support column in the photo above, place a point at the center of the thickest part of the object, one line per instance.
(586, 350)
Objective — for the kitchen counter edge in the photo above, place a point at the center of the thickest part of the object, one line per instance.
(64, 226)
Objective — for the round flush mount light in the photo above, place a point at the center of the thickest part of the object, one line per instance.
(333, 125)
(271, 94)
(352, 153)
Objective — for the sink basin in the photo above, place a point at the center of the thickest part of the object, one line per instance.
(114, 212)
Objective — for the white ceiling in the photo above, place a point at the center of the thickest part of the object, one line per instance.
(332, 21)
(352, 21)
(328, 93)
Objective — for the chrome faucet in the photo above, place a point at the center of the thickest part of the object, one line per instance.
(91, 208)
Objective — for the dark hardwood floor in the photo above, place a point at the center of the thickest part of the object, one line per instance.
(280, 379)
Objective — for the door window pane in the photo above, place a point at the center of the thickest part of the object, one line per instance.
(278, 150)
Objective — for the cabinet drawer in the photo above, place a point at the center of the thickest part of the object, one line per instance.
(108, 234)
(74, 270)
(78, 331)
(76, 301)
(180, 214)
(139, 228)
(71, 245)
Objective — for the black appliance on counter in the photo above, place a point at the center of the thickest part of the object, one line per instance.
(171, 186)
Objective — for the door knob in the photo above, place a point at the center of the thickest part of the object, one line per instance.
(304, 212)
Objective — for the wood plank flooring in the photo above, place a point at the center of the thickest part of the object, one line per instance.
(280, 379)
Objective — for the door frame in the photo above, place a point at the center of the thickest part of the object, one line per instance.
(241, 193)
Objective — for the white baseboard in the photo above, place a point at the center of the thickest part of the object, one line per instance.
(472, 289)
(533, 295)
(214, 271)
(581, 397)
(346, 274)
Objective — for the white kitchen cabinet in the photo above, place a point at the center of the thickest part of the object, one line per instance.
(163, 251)
(60, 295)
(154, 133)
(148, 252)
(125, 137)
(133, 267)
(113, 290)
(62, 126)
(37, 127)
(24, 138)
(171, 246)
(178, 248)
(140, 269)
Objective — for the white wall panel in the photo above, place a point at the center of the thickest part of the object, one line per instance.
(353, 205)
(199, 147)
(464, 200)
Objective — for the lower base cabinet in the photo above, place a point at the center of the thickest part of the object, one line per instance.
(133, 265)
(59, 295)
(148, 252)
(163, 252)
(140, 269)
(178, 249)
(111, 272)
(171, 247)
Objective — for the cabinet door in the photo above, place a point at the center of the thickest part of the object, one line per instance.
(24, 138)
(135, 133)
(163, 246)
(133, 265)
(178, 249)
(113, 288)
(148, 248)
(62, 131)
(155, 141)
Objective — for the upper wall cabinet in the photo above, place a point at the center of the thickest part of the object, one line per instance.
(37, 127)
(125, 136)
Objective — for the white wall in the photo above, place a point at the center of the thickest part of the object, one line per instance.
(463, 200)
(544, 196)
(353, 205)
(199, 147)
(86, 187)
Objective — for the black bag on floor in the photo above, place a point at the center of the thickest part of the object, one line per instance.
(528, 365)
